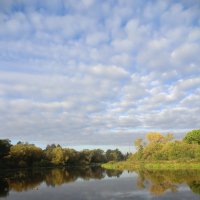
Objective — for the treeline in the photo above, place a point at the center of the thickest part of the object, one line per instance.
(158, 147)
(24, 155)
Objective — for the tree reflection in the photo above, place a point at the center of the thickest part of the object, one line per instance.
(56, 177)
(115, 173)
(158, 182)
(4, 187)
(24, 180)
(195, 186)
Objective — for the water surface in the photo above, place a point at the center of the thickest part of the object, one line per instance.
(99, 184)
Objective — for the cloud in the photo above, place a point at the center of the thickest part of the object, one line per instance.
(98, 72)
(109, 71)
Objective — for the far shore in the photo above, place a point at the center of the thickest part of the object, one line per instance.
(164, 165)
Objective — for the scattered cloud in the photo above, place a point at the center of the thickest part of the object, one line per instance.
(98, 72)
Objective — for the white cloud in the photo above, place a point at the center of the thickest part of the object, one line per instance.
(102, 69)
(96, 38)
(109, 71)
(186, 54)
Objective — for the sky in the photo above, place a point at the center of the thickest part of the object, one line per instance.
(98, 72)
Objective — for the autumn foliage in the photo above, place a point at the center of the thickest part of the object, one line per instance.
(160, 147)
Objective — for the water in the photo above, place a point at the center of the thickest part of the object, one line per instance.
(99, 184)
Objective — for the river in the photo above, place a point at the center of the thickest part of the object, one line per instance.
(99, 184)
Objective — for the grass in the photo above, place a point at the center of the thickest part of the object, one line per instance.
(164, 165)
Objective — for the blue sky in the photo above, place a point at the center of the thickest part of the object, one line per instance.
(93, 72)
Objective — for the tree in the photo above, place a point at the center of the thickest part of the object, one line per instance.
(85, 157)
(26, 154)
(139, 143)
(58, 156)
(169, 137)
(50, 146)
(153, 137)
(98, 156)
(139, 146)
(151, 151)
(71, 156)
(114, 155)
(192, 137)
(4, 147)
(156, 137)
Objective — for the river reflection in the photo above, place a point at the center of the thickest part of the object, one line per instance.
(157, 182)
(24, 180)
(83, 183)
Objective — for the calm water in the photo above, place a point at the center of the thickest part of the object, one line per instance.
(97, 183)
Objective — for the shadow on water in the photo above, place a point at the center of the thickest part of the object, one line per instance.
(156, 182)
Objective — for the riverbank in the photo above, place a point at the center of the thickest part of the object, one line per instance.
(164, 165)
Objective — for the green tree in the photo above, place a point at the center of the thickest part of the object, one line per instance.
(85, 157)
(26, 154)
(4, 147)
(114, 155)
(192, 137)
(71, 156)
(98, 156)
